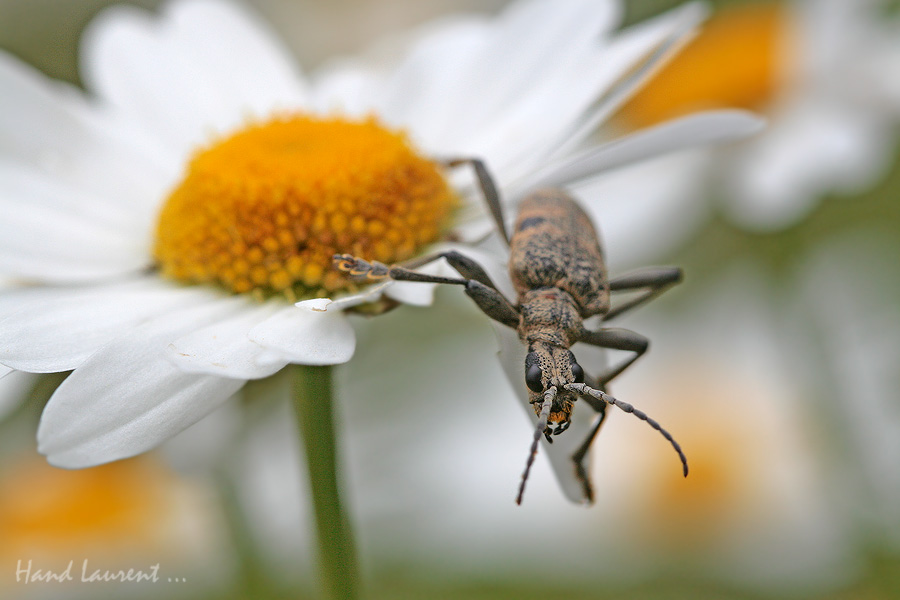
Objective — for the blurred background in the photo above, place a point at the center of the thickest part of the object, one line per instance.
(775, 365)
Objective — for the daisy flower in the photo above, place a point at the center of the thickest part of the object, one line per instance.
(167, 220)
(822, 72)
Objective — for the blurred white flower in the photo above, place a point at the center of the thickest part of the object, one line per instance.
(822, 72)
(109, 209)
(757, 508)
(855, 329)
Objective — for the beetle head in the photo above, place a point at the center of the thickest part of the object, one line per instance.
(546, 366)
(550, 371)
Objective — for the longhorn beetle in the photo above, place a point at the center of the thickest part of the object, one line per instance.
(557, 267)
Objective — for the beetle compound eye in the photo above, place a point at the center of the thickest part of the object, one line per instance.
(533, 373)
(577, 373)
(533, 379)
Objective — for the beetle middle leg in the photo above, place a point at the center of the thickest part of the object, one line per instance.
(654, 281)
(616, 338)
(464, 265)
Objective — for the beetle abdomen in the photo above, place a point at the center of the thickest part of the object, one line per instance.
(554, 244)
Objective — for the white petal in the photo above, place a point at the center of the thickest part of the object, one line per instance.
(224, 347)
(310, 333)
(422, 93)
(49, 329)
(566, 104)
(413, 293)
(24, 184)
(202, 69)
(51, 127)
(558, 71)
(128, 397)
(419, 293)
(241, 54)
(346, 88)
(630, 60)
(49, 232)
(647, 210)
(678, 134)
(370, 294)
(38, 245)
(496, 68)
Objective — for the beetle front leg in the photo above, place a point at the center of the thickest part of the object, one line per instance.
(616, 339)
(655, 281)
(493, 303)
(464, 265)
(489, 300)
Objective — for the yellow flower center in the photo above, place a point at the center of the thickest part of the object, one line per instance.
(736, 61)
(264, 210)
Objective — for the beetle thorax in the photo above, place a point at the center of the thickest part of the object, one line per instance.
(549, 315)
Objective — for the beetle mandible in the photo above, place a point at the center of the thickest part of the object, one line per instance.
(557, 268)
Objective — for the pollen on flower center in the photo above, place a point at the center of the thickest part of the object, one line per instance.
(736, 61)
(264, 210)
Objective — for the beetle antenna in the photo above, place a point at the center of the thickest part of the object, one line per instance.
(585, 390)
(549, 396)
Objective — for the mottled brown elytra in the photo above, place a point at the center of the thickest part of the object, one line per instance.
(557, 267)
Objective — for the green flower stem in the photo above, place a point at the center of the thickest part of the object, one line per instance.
(315, 418)
(252, 580)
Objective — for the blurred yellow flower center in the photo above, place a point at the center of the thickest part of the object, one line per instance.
(264, 210)
(736, 61)
(116, 505)
(711, 494)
